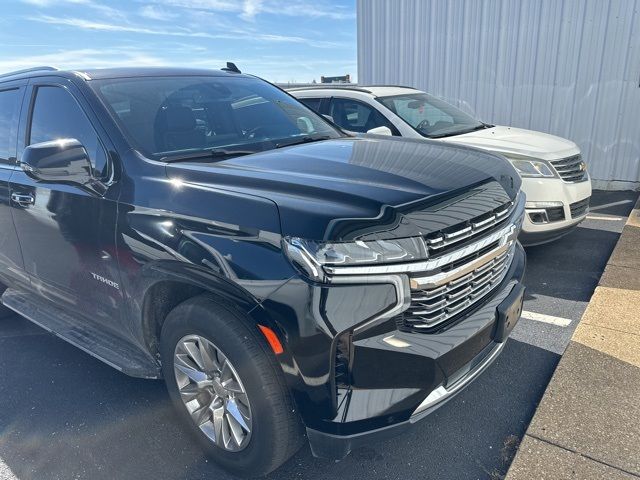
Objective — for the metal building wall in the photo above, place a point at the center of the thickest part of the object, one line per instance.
(566, 67)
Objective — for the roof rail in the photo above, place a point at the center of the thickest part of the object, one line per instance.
(331, 86)
(394, 86)
(28, 70)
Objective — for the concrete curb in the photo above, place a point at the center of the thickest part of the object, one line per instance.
(588, 422)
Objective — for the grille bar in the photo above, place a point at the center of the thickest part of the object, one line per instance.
(578, 209)
(438, 298)
(436, 243)
(570, 169)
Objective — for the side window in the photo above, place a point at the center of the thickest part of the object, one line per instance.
(9, 100)
(357, 116)
(56, 114)
(312, 103)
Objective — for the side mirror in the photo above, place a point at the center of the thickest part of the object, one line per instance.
(304, 124)
(58, 161)
(380, 131)
(328, 117)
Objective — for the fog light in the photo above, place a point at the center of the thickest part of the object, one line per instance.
(530, 205)
(538, 216)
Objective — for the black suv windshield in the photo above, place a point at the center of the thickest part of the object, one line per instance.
(429, 116)
(177, 117)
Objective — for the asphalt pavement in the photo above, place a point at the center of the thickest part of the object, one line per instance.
(65, 415)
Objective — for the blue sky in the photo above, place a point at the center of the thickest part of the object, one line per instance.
(280, 40)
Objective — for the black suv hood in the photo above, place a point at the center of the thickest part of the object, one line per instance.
(364, 188)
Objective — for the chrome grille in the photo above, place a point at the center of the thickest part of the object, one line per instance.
(570, 169)
(436, 299)
(437, 242)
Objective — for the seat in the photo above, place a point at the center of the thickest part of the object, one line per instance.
(176, 129)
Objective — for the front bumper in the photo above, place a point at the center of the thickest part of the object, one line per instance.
(422, 372)
(552, 190)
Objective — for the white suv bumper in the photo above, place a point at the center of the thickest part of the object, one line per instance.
(546, 196)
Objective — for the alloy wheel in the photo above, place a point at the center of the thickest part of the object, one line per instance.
(212, 392)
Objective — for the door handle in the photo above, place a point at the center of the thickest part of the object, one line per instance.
(23, 200)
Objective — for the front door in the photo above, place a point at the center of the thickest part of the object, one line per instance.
(67, 233)
(11, 266)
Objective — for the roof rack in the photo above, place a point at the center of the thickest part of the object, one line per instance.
(393, 86)
(29, 70)
(337, 86)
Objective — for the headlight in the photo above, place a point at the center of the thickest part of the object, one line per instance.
(533, 168)
(312, 256)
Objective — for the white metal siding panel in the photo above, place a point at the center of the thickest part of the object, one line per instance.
(567, 67)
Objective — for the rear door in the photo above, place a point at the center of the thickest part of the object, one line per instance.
(11, 265)
(67, 233)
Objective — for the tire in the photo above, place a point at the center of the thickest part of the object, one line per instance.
(268, 430)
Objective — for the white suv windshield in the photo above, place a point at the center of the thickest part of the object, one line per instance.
(429, 116)
(171, 116)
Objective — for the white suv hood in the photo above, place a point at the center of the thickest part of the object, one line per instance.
(517, 141)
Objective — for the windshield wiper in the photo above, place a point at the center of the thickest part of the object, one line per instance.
(307, 139)
(460, 132)
(216, 154)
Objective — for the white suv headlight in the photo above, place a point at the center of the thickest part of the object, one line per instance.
(533, 168)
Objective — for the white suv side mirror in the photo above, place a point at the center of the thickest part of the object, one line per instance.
(380, 131)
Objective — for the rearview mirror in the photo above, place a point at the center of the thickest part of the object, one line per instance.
(58, 161)
(380, 131)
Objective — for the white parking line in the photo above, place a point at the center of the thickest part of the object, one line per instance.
(612, 204)
(596, 217)
(541, 317)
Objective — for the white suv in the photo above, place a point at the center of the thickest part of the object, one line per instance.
(554, 177)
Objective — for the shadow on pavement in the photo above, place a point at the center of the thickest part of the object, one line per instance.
(65, 415)
(570, 267)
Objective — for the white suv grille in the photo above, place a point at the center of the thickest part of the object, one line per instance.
(570, 169)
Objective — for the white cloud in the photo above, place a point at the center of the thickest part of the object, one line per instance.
(154, 12)
(251, 8)
(98, 7)
(213, 5)
(84, 58)
(307, 8)
(178, 32)
(51, 3)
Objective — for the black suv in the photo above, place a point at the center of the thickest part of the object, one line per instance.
(283, 277)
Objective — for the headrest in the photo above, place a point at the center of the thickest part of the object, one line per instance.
(179, 119)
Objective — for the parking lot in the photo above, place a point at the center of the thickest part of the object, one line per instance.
(64, 414)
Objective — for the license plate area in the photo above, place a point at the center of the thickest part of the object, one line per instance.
(508, 313)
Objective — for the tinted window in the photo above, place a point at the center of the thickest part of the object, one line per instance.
(357, 116)
(8, 118)
(164, 116)
(56, 115)
(312, 103)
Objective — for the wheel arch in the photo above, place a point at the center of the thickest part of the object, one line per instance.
(169, 290)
